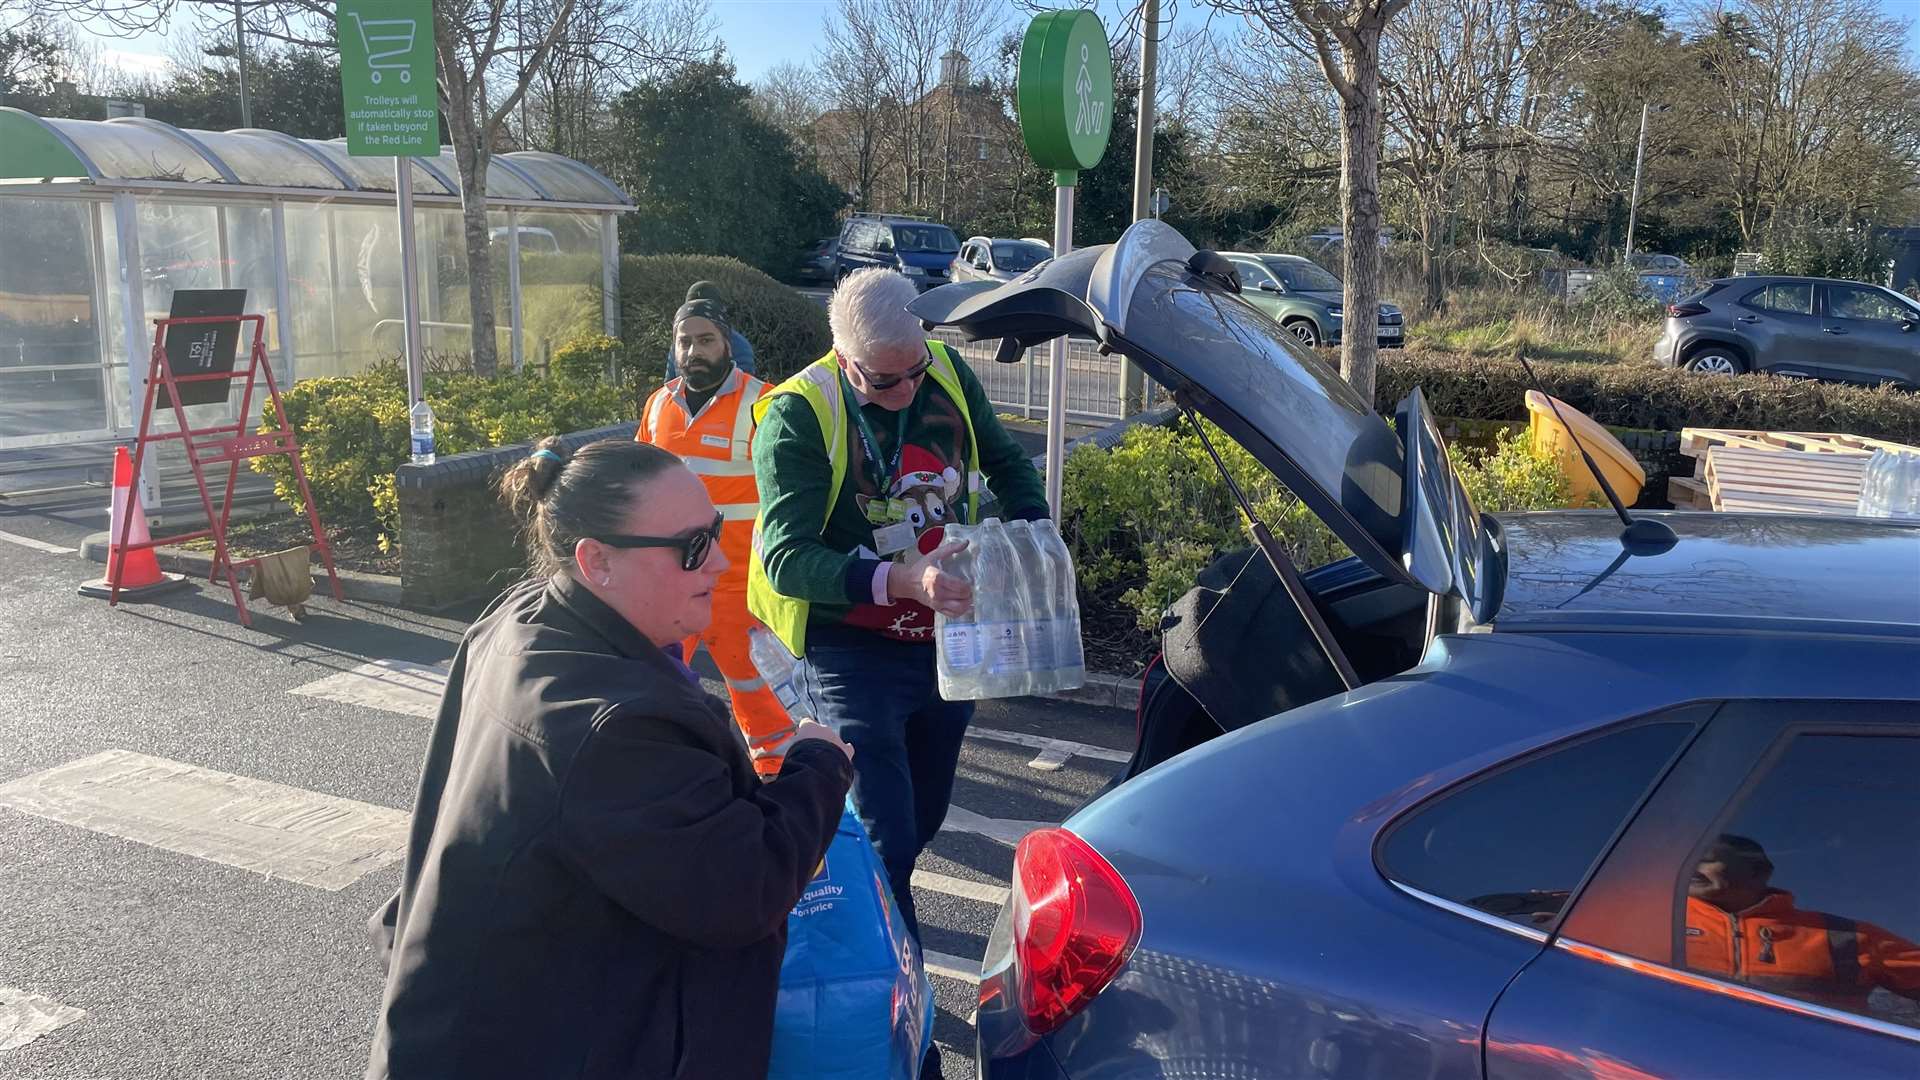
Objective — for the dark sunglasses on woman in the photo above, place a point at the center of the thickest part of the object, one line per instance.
(693, 549)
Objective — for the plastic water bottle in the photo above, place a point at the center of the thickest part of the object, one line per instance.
(1063, 596)
(421, 417)
(777, 666)
(958, 643)
(1032, 596)
(1890, 486)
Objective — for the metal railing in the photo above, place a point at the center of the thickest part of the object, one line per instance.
(1095, 390)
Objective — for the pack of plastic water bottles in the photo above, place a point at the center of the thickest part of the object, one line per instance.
(1023, 634)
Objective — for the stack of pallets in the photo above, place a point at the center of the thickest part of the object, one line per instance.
(1775, 472)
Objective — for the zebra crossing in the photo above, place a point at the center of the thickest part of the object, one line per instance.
(319, 841)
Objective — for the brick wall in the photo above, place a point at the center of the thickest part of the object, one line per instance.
(460, 542)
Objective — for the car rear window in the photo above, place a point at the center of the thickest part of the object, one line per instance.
(929, 238)
(1517, 842)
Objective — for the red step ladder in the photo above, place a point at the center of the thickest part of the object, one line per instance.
(228, 443)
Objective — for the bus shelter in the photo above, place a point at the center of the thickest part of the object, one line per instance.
(101, 221)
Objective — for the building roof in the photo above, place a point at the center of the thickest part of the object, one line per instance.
(140, 152)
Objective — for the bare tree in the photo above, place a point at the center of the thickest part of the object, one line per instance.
(1799, 86)
(851, 138)
(610, 46)
(790, 97)
(1344, 36)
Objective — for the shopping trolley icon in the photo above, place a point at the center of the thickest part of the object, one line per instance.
(387, 41)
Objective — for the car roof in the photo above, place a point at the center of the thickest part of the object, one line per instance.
(1268, 255)
(1769, 279)
(1728, 571)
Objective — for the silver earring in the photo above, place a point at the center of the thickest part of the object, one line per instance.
(606, 582)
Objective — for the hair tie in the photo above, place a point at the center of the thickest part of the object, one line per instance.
(545, 453)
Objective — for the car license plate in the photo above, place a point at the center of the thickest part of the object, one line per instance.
(1390, 332)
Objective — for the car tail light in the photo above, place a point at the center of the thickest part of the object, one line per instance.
(1075, 922)
(1685, 310)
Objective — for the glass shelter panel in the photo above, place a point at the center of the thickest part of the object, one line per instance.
(51, 379)
(311, 291)
(560, 280)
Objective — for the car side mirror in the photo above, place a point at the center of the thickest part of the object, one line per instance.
(1908, 326)
(1268, 286)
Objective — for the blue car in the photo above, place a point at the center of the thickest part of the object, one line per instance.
(1503, 797)
(923, 250)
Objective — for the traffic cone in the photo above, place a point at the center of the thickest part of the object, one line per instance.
(137, 570)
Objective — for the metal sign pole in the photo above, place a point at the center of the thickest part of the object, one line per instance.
(1057, 362)
(409, 278)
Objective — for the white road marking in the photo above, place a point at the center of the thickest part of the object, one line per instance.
(1054, 752)
(1004, 830)
(272, 829)
(392, 685)
(37, 545)
(25, 1017)
(953, 886)
(953, 967)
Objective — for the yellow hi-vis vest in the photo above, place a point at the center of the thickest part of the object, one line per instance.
(819, 383)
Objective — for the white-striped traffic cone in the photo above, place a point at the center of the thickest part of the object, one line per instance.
(136, 570)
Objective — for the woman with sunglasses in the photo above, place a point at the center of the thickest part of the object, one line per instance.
(596, 884)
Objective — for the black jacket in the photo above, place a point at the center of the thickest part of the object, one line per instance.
(596, 885)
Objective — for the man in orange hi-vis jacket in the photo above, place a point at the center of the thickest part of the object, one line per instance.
(706, 417)
(1742, 928)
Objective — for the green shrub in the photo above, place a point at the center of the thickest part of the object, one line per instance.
(787, 330)
(1637, 396)
(592, 356)
(354, 431)
(1145, 517)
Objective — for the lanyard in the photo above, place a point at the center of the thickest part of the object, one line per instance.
(883, 470)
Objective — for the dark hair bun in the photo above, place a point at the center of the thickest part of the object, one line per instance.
(526, 483)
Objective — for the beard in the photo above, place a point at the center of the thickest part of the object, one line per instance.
(705, 374)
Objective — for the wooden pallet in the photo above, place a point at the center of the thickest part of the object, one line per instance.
(1741, 479)
(1781, 472)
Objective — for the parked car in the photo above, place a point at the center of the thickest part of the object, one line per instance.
(1811, 327)
(817, 262)
(1510, 797)
(921, 249)
(1306, 298)
(533, 239)
(986, 258)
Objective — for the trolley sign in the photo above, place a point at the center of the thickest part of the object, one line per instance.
(391, 99)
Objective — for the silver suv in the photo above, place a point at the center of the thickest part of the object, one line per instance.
(1815, 328)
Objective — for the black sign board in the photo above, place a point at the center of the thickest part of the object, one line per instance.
(204, 348)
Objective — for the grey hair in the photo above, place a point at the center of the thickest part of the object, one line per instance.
(868, 313)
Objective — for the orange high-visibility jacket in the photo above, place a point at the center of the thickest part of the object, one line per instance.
(717, 446)
(1809, 955)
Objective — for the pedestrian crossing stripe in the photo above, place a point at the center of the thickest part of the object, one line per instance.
(256, 825)
(26, 1016)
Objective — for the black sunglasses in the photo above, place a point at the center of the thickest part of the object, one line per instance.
(876, 381)
(693, 549)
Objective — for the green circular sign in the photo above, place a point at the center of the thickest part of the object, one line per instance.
(1065, 93)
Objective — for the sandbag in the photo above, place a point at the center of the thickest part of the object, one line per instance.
(855, 1002)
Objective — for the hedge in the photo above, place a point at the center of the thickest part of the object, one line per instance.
(787, 330)
(1645, 396)
(354, 430)
(1145, 517)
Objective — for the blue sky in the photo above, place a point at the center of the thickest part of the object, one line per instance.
(761, 34)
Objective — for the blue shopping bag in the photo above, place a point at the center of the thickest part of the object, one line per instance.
(855, 1002)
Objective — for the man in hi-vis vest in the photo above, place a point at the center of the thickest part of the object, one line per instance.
(863, 458)
(706, 417)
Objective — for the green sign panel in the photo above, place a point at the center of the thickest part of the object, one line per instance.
(391, 98)
(1066, 91)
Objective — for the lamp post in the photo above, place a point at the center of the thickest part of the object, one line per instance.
(1639, 159)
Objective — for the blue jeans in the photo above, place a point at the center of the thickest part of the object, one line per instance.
(880, 695)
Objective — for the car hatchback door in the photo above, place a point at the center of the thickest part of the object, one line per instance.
(1877, 338)
(1757, 918)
